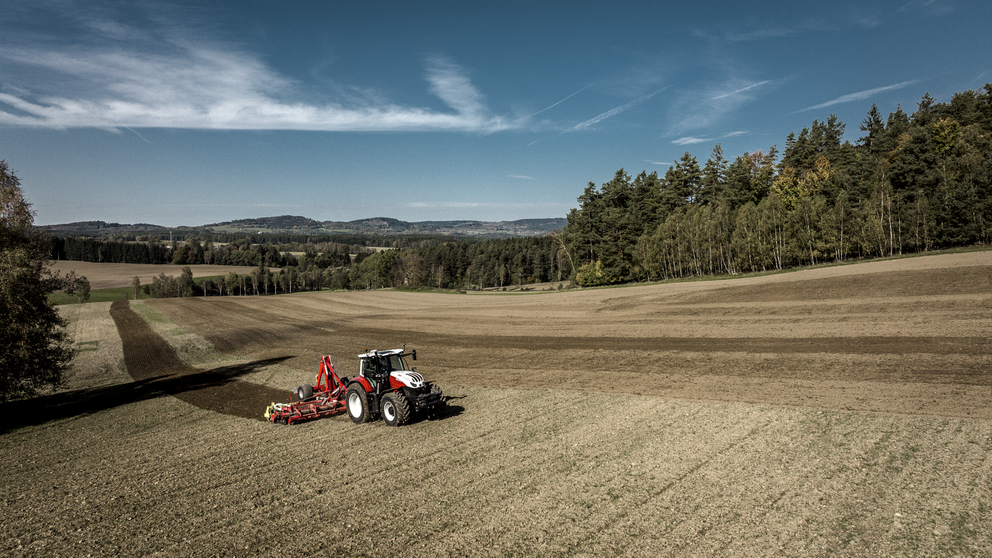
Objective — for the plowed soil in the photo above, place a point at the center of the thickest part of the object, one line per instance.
(837, 411)
(886, 337)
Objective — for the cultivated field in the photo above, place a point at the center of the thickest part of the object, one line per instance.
(108, 275)
(839, 411)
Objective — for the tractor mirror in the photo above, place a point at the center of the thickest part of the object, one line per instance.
(414, 354)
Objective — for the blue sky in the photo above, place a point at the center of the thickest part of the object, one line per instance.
(187, 113)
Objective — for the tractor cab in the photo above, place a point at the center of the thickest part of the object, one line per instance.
(377, 365)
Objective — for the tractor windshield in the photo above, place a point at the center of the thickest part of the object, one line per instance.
(394, 362)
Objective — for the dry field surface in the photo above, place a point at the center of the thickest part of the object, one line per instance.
(842, 411)
(109, 275)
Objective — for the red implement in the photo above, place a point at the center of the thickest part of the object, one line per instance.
(324, 398)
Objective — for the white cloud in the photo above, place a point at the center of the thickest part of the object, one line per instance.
(690, 140)
(175, 82)
(859, 96)
(521, 176)
(698, 109)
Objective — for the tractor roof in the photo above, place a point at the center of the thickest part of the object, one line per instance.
(381, 353)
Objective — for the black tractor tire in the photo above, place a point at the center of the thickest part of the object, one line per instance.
(304, 392)
(438, 410)
(357, 403)
(395, 409)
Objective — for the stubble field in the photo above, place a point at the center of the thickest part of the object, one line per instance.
(109, 275)
(837, 411)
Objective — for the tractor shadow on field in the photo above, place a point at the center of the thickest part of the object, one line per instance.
(447, 411)
(217, 389)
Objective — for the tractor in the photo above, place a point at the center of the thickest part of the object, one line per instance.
(386, 387)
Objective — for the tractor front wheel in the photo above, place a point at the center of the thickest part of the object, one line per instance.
(358, 404)
(395, 409)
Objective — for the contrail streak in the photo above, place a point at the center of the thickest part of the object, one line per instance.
(563, 100)
(741, 90)
(613, 112)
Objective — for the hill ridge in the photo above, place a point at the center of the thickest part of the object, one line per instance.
(305, 225)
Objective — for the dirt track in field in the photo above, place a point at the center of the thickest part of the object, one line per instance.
(903, 336)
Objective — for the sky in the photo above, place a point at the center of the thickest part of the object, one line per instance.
(190, 113)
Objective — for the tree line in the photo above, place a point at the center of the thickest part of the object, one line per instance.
(191, 252)
(912, 183)
(451, 265)
(260, 281)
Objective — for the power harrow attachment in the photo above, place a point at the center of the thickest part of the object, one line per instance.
(326, 397)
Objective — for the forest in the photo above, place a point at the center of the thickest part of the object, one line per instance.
(910, 183)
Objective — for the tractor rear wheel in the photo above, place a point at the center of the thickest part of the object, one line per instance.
(357, 403)
(395, 409)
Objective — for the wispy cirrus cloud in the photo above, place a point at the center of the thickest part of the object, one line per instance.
(765, 33)
(689, 140)
(927, 6)
(858, 96)
(172, 80)
(703, 107)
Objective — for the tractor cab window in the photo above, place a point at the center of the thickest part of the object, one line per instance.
(394, 362)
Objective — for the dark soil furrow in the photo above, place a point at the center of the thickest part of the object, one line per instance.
(151, 360)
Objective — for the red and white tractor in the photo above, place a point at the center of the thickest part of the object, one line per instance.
(384, 387)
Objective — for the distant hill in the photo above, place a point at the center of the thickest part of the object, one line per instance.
(295, 224)
(101, 227)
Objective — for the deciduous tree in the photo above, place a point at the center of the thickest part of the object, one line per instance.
(35, 350)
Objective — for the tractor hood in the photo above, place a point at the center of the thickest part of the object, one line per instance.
(409, 379)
